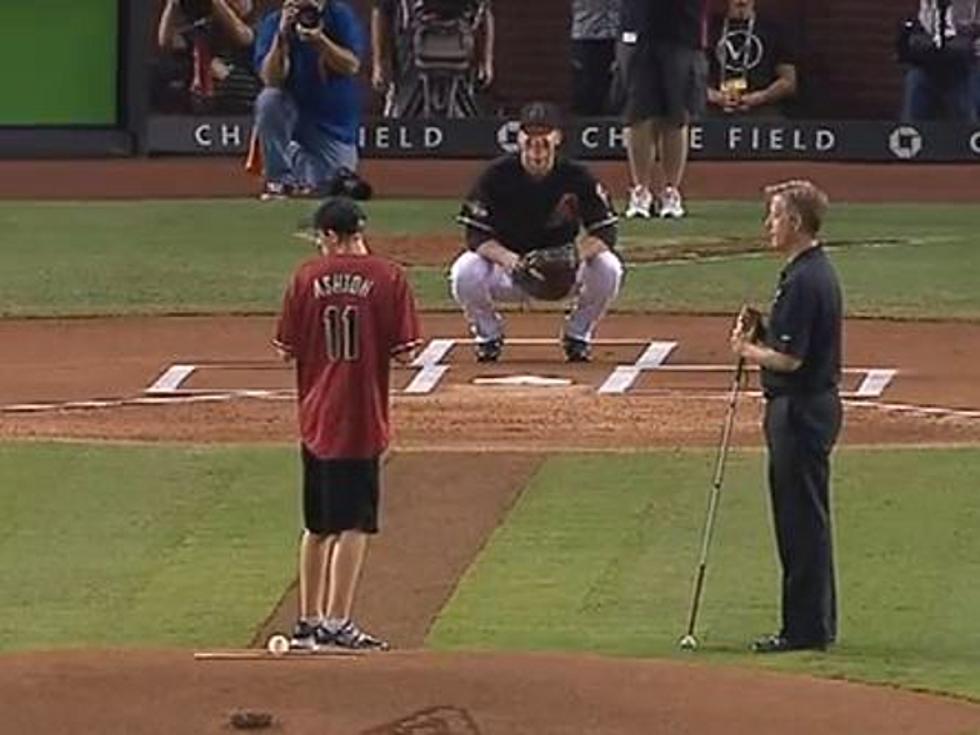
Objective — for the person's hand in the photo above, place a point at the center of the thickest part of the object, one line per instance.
(290, 8)
(484, 74)
(509, 261)
(731, 101)
(745, 329)
(752, 100)
(738, 343)
(379, 80)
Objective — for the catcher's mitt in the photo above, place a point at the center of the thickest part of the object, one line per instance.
(548, 273)
(749, 323)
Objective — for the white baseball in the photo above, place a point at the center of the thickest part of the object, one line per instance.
(277, 645)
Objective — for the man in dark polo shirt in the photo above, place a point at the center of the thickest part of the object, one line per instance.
(799, 352)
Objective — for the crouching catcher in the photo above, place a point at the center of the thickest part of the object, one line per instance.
(538, 226)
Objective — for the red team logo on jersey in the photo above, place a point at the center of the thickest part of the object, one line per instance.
(343, 318)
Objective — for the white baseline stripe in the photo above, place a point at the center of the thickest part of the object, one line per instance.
(433, 353)
(427, 379)
(620, 380)
(623, 377)
(874, 383)
(171, 379)
(655, 354)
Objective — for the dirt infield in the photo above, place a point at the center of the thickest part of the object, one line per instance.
(236, 391)
(461, 694)
(190, 177)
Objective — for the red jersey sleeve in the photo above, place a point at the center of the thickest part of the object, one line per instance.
(407, 335)
(285, 338)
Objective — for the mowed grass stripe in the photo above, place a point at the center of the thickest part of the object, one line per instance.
(599, 556)
(142, 545)
(62, 258)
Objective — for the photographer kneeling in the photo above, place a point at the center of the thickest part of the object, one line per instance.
(307, 117)
(942, 50)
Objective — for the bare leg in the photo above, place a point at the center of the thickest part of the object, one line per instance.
(346, 560)
(639, 148)
(314, 554)
(673, 150)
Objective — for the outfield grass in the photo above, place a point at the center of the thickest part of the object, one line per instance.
(232, 256)
(600, 551)
(111, 545)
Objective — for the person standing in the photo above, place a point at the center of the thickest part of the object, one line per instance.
(595, 25)
(345, 315)
(799, 352)
(661, 58)
(942, 53)
(307, 55)
(530, 201)
(753, 64)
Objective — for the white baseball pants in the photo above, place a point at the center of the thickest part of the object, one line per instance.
(478, 284)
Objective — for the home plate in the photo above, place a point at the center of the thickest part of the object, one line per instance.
(537, 381)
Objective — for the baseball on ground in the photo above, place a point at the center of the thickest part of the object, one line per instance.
(277, 645)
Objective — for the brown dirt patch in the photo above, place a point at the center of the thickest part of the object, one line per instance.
(455, 694)
(438, 249)
(434, 249)
(439, 511)
(117, 358)
(205, 176)
(443, 501)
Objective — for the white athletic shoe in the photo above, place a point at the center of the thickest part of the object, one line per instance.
(671, 204)
(641, 201)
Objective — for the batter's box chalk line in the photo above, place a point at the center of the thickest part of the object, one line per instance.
(169, 388)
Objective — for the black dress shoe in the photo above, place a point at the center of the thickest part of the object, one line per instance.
(780, 644)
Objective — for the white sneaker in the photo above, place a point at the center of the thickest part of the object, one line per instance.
(671, 204)
(641, 200)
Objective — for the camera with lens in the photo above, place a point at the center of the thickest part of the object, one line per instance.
(197, 11)
(308, 17)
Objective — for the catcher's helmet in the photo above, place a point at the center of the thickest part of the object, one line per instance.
(341, 215)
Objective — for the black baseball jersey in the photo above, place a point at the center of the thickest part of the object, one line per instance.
(523, 213)
(806, 322)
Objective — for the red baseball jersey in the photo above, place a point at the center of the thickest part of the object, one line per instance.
(343, 317)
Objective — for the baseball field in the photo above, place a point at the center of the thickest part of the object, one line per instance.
(541, 520)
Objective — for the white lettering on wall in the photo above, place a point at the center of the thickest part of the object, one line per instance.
(975, 143)
(433, 137)
(231, 135)
(202, 135)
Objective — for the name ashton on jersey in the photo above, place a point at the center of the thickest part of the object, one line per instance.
(342, 283)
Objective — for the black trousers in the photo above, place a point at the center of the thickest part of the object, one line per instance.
(592, 64)
(800, 433)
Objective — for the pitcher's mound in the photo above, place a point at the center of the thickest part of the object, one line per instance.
(137, 692)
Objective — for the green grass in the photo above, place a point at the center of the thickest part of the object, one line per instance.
(109, 545)
(233, 256)
(599, 555)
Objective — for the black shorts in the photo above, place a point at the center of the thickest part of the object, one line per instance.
(340, 494)
(662, 80)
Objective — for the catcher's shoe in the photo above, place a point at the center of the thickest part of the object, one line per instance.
(489, 351)
(640, 203)
(351, 636)
(576, 350)
(303, 637)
